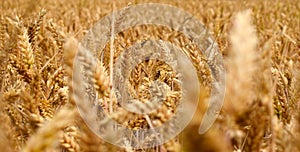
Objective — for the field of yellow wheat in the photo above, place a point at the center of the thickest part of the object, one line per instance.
(259, 41)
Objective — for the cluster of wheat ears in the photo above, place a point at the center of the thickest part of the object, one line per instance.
(259, 41)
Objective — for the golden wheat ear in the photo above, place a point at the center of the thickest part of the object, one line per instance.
(47, 135)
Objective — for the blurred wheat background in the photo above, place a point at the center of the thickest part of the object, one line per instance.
(259, 40)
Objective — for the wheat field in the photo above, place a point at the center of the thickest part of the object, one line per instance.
(259, 41)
